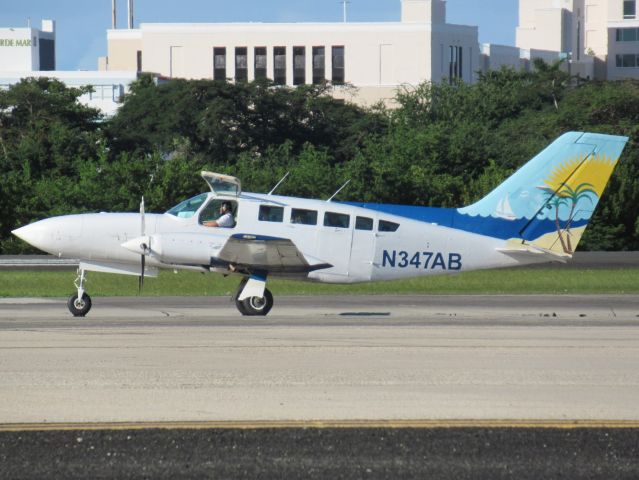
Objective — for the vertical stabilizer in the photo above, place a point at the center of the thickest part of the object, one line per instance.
(550, 200)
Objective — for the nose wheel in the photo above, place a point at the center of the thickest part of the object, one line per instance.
(79, 303)
(79, 306)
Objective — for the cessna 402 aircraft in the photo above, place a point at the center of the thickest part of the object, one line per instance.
(537, 215)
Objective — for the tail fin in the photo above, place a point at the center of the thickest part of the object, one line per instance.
(552, 197)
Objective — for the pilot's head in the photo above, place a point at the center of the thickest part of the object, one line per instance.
(226, 207)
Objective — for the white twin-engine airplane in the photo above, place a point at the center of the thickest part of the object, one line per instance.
(537, 215)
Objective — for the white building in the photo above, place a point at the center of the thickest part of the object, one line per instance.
(547, 24)
(601, 35)
(108, 87)
(28, 49)
(612, 36)
(374, 57)
(29, 52)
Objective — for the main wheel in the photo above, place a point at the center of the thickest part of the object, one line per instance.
(240, 306)
(258, 305)
(79, 307)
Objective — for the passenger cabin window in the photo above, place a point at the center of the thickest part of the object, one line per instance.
(363, 223)
(212, 213)
(271, 214)
(338, 220)
(385, 226)
(303, 217)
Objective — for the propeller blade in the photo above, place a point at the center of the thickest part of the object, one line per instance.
(141, 278)
(142, 226)
(144, 246)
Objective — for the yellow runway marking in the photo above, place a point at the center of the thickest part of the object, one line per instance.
(321, 424)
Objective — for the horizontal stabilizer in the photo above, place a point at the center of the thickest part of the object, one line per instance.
(531, 251)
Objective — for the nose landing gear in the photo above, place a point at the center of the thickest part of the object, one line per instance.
(79, 303)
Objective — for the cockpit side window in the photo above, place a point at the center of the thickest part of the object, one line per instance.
(212, 212)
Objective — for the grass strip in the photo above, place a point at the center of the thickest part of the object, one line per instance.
(20, 283)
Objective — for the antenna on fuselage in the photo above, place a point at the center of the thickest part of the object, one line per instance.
(339, 190)
(278, 183)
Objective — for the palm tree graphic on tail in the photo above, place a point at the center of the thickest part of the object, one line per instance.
(568, 197)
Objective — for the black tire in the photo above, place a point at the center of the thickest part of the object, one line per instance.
(240, 306)
(258, 305)
(79, 308)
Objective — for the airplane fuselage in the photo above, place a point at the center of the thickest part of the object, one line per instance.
(360, 244)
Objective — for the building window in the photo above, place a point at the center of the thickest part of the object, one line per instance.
(260, 62)
(139, 60)
(319, 65)
(629, 9)
(455, 63)
(627, 34)
(279, 64)
(338, 65)
(578, 37)
(219, 63)
(241, 64)
(299, 65)
(47, 54)
(627, 60)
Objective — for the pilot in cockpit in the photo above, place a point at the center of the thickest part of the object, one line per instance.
(225, 219)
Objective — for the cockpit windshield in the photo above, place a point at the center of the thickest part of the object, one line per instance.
(187, 208)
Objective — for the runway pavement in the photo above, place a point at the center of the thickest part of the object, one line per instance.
(321, 358)
(344, 387)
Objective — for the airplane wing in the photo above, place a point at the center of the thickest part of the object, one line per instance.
(271, 254)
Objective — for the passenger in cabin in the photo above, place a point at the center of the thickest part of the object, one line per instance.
(225, 219)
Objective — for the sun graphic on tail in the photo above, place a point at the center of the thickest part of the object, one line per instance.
(594, 171)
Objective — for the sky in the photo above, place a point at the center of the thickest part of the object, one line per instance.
(81, 24)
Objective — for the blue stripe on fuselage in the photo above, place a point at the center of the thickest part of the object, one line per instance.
(450, 217)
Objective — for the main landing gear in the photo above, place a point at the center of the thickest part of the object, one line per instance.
(79, 303)
(252, 296)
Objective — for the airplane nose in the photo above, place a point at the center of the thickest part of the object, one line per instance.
(33, 234)
(49, 234)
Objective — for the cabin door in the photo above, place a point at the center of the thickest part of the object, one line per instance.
(334, 242)
(362, 249)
